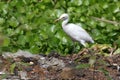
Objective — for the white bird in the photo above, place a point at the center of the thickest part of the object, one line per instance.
(76, 32)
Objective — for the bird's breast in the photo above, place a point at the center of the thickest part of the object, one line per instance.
(70, 31)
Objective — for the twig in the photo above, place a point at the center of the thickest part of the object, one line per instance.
(104, 20)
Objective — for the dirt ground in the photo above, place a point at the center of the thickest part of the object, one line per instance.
(88, 64)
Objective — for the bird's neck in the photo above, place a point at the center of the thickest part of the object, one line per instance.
(65, 22)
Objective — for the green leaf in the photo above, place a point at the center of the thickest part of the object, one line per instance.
(2, 21)
(117, 51)
(6, 42)
(12, 67)
(22, 40)
(34, 49)
(13, 22)
(83, 65)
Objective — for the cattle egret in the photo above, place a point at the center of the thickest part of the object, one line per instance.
(76, 32)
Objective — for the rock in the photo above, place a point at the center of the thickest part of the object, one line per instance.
(51, 62)
(23, 75)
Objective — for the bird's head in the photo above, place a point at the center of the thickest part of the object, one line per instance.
(63, 17)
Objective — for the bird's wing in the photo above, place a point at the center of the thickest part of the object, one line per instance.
(77, 33)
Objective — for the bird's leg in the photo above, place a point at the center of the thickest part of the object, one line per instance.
(73, 50)
(83, 43)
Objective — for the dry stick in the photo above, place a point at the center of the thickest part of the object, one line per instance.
(104, 20)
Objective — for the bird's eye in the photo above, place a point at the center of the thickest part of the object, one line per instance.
(63, 18)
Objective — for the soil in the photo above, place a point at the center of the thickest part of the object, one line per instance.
(88, 64)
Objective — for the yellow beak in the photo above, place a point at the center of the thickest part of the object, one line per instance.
(57, 20)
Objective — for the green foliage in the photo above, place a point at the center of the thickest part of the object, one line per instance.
(12, 67)
(81, 66)
(29, 24)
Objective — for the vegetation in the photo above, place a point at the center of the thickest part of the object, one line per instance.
(29, 24)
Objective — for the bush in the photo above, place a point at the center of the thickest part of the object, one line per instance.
(29, 24)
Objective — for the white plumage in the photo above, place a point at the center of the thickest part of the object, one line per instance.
(76, 32)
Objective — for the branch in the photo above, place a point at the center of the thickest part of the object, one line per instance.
(104, 20)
